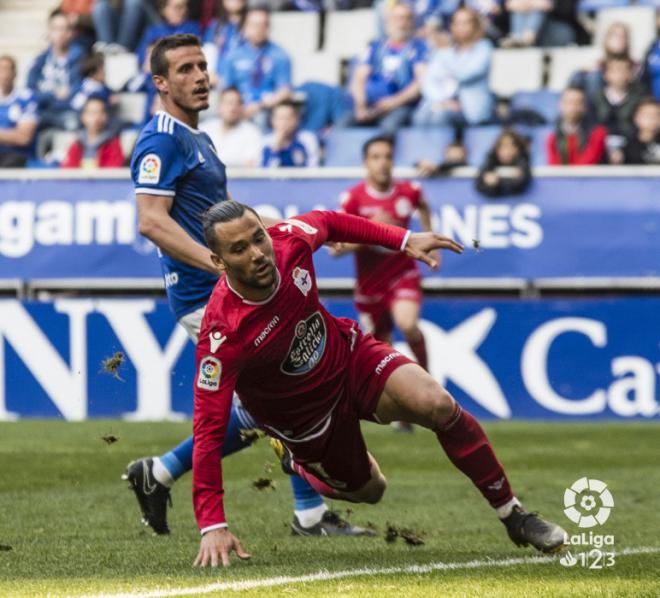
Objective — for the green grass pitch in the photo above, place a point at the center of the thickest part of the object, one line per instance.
(74, 528)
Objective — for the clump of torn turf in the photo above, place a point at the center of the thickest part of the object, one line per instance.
(111, 365)
(410, 537)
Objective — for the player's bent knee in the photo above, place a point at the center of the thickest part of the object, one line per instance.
(437, 405)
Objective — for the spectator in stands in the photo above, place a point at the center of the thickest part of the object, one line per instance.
(455, 86)
(174, 14)
(424, 11)
(385, 84)
(616, 44)
(143, 83)
(18, 118)
(506, 170)
(651, 69)
(118, 25)
(287, 145)
(260, 69)
(575, 141)
(643, 146)
(616, 101)
(224, 31)
(93, 84)
(526, 19)
(562, 26)
(55, 74)
(492, 16)
(454, 156)
(238, 141)
(79, 13)
(97, 146)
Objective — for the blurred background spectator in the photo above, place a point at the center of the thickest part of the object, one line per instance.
(506, 170)
(643, 145)
(97, 146)
(119, 23)
(224, 32)
(651, 69)
(575, 141)
(237, 140)
(93, 84)
(258, 68)
(526, 19)
(455, 85)
(55, 74)
(561, 26)
(143, 83)
(454, 155)
(287, 145)
(386, 83)
(79, 13)
(174, 14)
(18, 118)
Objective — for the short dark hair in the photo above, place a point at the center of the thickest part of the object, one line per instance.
(230, 89)
(260, 8)
(645, 101)
(224, 211)
(159, 63)
(574, 88)
(288, 104)
(378, 139)
(92, 64)
(57, 12)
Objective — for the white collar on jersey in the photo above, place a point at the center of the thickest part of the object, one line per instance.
(263, 302)
(180, 122)
(379, 194)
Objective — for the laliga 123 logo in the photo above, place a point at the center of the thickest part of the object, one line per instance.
(588, 502)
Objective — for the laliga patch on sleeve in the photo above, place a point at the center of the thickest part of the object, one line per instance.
(210, 369)
(149, 170)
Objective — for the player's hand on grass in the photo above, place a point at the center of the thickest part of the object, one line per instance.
(216, 546)
(420, 246)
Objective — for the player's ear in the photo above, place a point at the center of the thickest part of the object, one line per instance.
(160, 83)
(217, 262)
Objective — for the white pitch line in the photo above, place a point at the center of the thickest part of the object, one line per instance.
(250, 584)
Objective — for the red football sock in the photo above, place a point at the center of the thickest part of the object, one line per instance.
(469, 449)
(418, 347)
(320, 486)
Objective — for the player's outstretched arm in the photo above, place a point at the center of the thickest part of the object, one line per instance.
(216, 546)
(420, 246)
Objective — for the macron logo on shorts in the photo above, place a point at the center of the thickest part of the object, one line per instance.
(385, 360)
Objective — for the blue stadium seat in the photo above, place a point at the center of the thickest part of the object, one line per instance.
(343, 147)
(544, 102)
(537, 137)
(478, 142)
(413, 144)
(596, 5)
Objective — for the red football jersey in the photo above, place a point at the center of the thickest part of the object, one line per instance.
(286, 356)
(377, 268)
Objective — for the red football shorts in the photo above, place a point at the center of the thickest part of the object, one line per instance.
(375, 310)
(339, 457)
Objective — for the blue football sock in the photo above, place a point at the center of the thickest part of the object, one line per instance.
(304, 496)
(179, 460)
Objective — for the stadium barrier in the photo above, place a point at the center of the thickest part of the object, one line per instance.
(578, 227)
(579, 359)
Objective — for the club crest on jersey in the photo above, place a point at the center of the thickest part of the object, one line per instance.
(210, 369)
(302, 279)
(149, 172)
(307, 346)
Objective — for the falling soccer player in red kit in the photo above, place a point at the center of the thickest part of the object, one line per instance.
(308, 378)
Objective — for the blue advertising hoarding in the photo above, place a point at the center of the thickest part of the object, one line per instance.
(563, 227)
(577, 359)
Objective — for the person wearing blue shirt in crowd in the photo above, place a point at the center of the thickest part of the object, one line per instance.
(455, 87)
(258, 68)
(287, 146)
(55, 74)
(174, 14)
(424, 11)
(18, 118)
(224, 31)
(385, 85)
(93, 84)
(177, 176)
(143, 83)
(651, 69)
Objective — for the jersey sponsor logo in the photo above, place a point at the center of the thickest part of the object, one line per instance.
(216, 338)
(210, 369)
(303, 280)
(149, 170)
(307, 346)
(171, 279)
(266, 331)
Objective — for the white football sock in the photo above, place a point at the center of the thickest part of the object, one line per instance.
(161, 473)
(505, 510)
(310, 517)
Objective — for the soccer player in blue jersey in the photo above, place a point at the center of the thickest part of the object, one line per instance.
(177, 176)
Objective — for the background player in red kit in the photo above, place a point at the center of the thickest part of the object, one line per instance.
(388, 283)
(308, 377)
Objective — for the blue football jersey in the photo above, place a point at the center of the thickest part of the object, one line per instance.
(173, 159)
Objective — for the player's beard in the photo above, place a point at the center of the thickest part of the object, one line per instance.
(257, 280)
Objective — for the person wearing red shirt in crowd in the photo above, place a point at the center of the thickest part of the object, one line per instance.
(97, 146)
(575, 142)
(308, 378)
(389, 283)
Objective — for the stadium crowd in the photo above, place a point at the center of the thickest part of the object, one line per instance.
(428, 69)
